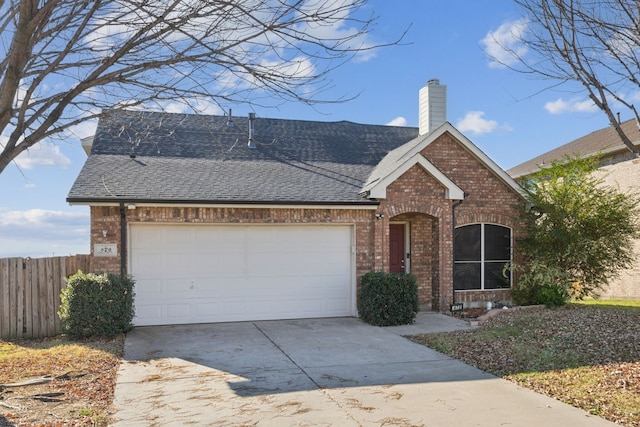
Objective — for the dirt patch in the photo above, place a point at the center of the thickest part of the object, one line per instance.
(57, 382)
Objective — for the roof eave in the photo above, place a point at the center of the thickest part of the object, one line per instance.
(97, 201)
(379, 189)
(606, 152)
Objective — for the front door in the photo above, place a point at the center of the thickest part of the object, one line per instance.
(396, 248)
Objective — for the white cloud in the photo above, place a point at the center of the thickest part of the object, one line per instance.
(475, 123)
(504, 45)
(574, 105)
(199, 105)
(38, 232)
(84, 129)
(398, 121)
(337, 27)
(634, 97)
(42, 154)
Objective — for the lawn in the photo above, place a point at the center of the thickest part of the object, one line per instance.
(587, 355)
(76, 380)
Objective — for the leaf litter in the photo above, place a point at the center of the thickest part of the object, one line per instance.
(54, 382)
(584, 355)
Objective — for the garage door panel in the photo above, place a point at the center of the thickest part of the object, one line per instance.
(206, 287)
(216, 273)
(179, 262)
(149, 287)
(148, 238)
(206, 309)
(177, 311)
(146, 260)
(177, 287)
(151, 313)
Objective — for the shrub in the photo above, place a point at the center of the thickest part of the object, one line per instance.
(542, 284)
(96, 305)
(388, 299)
(551, 296)
(578, 225)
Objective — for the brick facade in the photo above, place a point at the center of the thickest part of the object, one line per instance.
(415, 198)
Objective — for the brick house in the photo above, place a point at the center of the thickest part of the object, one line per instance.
(620, 168)
(222, 218)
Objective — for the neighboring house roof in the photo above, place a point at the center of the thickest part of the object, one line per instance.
(187, 158)
(604, 141)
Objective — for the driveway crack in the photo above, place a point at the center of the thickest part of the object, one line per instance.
(324, 390)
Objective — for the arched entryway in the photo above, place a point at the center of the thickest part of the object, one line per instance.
(412, 247)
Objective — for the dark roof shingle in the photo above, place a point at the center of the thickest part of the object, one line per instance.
(162, 157)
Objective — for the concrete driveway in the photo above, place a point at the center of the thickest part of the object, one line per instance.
(316, 372)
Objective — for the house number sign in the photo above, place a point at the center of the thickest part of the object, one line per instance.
(105, 249)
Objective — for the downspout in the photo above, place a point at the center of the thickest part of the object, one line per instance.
(123, 240)
(453, 245)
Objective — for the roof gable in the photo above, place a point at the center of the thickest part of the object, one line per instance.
(401, 159)
(378, 188)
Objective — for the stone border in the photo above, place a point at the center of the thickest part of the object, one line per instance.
(494, 312)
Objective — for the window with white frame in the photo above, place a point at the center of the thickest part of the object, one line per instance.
(481, 253)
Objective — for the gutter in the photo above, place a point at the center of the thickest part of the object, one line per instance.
(219, 203)
(453, 246)
(123, 240)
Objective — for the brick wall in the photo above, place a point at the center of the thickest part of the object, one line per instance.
(105, 229)
(415, 197)
(418, 198)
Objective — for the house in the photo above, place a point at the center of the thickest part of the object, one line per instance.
(223, 218)
(620, 168)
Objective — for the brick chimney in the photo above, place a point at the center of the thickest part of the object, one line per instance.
(433, 106)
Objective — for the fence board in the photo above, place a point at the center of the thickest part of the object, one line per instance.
(30, 294)
(13, 297)
(60, 284)
(19, 291)
(43, 283)
(4, 298)
(29, 311)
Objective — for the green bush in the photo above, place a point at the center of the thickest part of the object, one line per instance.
(542, 284)
(551, 296)
(388, 299)
(96, 305)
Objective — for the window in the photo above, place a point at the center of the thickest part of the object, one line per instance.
(481, 252)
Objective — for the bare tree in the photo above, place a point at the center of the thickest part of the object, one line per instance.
(595, 43)
(67, 61)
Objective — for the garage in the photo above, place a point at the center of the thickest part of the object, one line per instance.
(220, 273)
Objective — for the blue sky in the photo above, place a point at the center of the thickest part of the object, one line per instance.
(511, 117)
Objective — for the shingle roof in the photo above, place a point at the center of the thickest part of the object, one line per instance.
(601, 141)
(199, 159)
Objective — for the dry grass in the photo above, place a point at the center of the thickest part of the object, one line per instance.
(587, 355)
(80, 392)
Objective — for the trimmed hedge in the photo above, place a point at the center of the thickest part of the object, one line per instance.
(388, 299)
(96, 305)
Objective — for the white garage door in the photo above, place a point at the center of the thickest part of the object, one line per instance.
(220, 273)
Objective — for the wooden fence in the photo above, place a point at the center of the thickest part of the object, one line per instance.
(30, 294)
